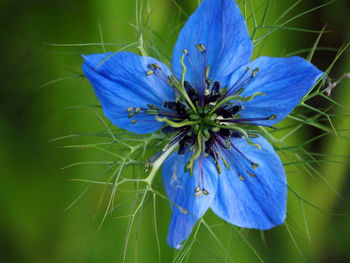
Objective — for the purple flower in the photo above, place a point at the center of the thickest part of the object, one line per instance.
(209, 104)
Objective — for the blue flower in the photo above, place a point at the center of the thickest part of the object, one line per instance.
(208, 105)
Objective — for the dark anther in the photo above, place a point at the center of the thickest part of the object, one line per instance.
(212, 98)
(215, 88)
(189, 89)
(235, 109)
(209, 148)
(182, 149)
(230, 112)
(170, 105)
(154, 66)
(183, 144)
(192, 93)
(225, 133)
(167, 129)
(225, 113)
(175, 106)
(236, 134)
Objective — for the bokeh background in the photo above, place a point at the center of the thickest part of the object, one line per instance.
(34, 190)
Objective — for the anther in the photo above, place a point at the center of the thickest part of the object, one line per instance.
(241, 177)
(255, 71)
(133, 121)
(218, 167)
(130, 109)
(215, 88)
(137, 110)
(272, 117)
(205, 192)
(227, 143)
(238, 92)
(253, 135)
(207, 72)
(154, 66)
(251, 174)
(149, 72)
(152, 107)
(185, 51)
(198, 192)
(254, 165)
(200, 47)
(171, 82)
(131, 114)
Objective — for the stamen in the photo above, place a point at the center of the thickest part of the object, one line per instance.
(242, 85)
(245, 157)
(202, 49)
(223, 158)
(192, 67)
(152, 107)
(175, 139)
(232, 88)
(237, 163)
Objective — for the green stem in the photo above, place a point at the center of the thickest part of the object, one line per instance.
(177, 124)
(234, 97)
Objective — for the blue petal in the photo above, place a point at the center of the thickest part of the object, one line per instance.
(220, 26)
(120, 81)
(180, 188)
(255, 202)
(284, 81)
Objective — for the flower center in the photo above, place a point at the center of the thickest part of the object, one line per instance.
(204, 117)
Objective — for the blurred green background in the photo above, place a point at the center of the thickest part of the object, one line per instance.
(34, 190)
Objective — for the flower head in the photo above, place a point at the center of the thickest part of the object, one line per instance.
(209, 104)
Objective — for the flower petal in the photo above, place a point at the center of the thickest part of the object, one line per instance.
(254, 202)
(284, 81)
(220, 26)
(180, 187)
(120, 81)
